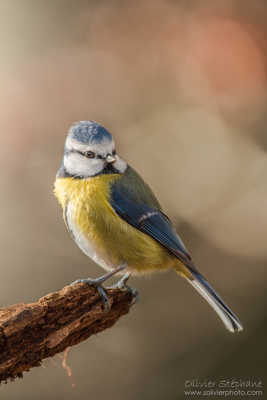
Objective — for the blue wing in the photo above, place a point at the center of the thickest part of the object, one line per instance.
(134, 202)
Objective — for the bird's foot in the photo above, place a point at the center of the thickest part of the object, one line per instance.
(98, 284)
(122, 284)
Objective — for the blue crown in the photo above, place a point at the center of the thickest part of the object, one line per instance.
(89, 132)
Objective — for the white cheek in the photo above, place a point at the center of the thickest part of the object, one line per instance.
(76, 164)
(120, 165)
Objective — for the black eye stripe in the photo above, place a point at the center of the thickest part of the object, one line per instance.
(86, 153)
(66, 152)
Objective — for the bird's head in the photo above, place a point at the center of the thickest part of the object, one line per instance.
(90, 151)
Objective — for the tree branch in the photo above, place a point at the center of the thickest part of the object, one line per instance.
(31, 332)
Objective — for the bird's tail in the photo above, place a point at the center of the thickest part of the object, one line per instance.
(229, 319)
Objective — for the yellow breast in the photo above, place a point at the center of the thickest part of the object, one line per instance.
(116, 241)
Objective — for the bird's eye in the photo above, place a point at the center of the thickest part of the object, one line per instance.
(114, 152)
(89, 154)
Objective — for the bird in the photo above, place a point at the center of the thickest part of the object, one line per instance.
(116, 220)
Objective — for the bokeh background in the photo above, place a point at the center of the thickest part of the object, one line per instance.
(182, 85)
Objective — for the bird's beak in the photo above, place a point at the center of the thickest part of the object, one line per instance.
(110, 159)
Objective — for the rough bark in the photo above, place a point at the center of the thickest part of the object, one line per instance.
(31, 332)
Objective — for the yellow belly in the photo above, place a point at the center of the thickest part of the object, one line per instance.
(116, 242)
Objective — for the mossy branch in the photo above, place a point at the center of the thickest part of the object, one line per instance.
(32, 332)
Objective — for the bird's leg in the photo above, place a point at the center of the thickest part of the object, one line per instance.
(122, 284)
(98, 283)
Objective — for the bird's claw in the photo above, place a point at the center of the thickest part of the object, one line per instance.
(97, 283)
(122, 284)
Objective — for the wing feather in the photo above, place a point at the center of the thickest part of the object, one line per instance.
(146, 215)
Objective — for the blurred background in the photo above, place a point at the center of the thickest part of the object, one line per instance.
(182, 85)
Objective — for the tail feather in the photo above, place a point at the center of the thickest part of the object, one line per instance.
(229, 319)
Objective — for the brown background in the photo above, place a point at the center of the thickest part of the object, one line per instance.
(182, 85)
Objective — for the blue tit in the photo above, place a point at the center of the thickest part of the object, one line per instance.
(115, 219)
